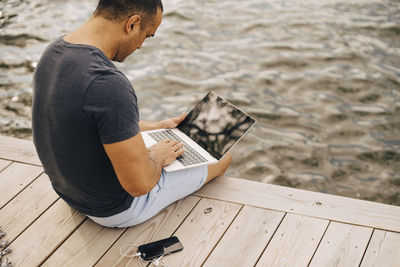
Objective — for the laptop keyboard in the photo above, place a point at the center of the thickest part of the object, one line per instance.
(189, 157)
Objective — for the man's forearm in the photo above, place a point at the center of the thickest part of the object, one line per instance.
(157, 164)
(149, 125)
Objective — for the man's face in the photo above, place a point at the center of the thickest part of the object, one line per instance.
(136, 39)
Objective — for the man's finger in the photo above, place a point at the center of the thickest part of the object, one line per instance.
(180, 151)
(173, 143)
(180, 117)
(178, 146)
(183, 115)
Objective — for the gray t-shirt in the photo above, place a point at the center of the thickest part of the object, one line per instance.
(80, 102)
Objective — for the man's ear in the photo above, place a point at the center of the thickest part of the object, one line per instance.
(132, 24)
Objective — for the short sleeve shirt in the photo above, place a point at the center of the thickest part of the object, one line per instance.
(80, 102)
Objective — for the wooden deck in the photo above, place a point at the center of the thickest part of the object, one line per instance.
(251, 224)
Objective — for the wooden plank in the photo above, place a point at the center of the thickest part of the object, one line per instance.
(383, 250)
(250, 232)
(15, 178)
(294, 242)
(159, 227)
(18, 150)
(37, 243)
(4, 164)
(336, 208)
(201, 231)
(18, 214)
(342, 245)
(85, 246)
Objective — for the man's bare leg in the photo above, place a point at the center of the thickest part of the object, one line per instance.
(218, 169)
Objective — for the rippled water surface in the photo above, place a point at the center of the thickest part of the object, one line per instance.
(321, 77)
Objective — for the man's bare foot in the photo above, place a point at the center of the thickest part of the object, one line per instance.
(218, 169)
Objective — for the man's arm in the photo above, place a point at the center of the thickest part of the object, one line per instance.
(165, 124)
(138, 169)
(149, 125)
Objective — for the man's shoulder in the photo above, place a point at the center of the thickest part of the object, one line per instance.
(109, 78)
(75, 60)
(111, 86)
(77, 55)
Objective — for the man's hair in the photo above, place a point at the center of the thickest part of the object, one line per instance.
(118, 10)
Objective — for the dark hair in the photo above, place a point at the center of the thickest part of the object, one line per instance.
(118, 10)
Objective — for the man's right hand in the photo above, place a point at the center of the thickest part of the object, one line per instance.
(166, 151)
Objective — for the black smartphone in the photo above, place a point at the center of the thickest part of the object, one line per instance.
(158, 248)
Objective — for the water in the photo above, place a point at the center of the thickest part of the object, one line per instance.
(321, 77)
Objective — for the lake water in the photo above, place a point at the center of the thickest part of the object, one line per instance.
(322, 78)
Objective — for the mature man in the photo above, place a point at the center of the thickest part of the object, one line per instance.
(86, 126)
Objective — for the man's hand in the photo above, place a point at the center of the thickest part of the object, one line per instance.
(173, 122)
(164, 124)
(166, 151)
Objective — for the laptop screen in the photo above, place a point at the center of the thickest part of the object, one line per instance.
(215, 124)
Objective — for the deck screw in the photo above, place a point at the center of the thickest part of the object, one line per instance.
(318, 203)
(208, 210)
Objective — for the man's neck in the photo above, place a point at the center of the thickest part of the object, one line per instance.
(97, 32)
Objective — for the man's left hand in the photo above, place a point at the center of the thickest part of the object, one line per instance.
(173, 122)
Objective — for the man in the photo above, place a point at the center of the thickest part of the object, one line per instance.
(86, 126)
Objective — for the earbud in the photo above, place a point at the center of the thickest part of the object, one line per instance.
(131, 26)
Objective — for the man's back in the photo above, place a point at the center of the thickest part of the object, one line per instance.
(80, 102)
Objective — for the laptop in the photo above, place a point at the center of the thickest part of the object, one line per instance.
(208, 132)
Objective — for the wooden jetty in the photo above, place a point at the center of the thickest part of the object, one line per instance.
(249, 224)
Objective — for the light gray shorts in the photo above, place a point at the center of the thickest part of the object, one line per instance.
(171, 187)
